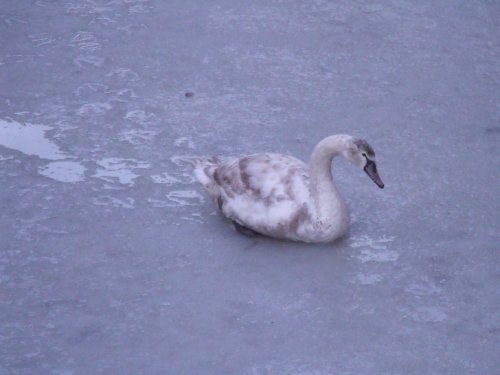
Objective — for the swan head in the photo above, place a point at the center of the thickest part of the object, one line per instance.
(360, 153)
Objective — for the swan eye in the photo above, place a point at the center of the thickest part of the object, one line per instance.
(364, 154)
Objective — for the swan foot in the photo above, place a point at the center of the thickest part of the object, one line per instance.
(244, 230)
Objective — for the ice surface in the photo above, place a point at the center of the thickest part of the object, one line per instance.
(114, 261)
(120, 170)
(28, 139)
(64, 171)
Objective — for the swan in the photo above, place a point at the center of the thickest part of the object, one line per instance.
(281, 196)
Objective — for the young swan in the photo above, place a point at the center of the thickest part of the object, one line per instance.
(281, 196)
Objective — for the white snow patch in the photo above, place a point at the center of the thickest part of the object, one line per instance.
(29, 139)
(157, 203)
(89, 88)
(165, 178)
(141, 117)
(377, 244)
(64, 171)
(41, 39)
(368, 255)
(182, 160)
(95, 61)
(122, 95)
(124, 74)
(112, 169)
(139, 8)
(137, 136)
(86, 41)
(194, 217)
(184, 197)
(184, 142)
(128, 202)
(374, 250)
(93, 109)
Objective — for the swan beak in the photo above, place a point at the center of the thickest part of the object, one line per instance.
(371, 170)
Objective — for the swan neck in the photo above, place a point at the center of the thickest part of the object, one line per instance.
(330, 207)
(320, 163)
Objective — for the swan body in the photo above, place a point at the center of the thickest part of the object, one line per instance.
(283, 197)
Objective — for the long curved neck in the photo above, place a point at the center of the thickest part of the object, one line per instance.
(327, 199)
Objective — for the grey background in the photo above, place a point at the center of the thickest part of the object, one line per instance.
(113, 261)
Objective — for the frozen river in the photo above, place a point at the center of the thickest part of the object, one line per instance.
(114, 261)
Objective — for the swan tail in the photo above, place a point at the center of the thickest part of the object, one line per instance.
(204, 169)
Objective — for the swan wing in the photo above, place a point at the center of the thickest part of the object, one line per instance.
(267, 193)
